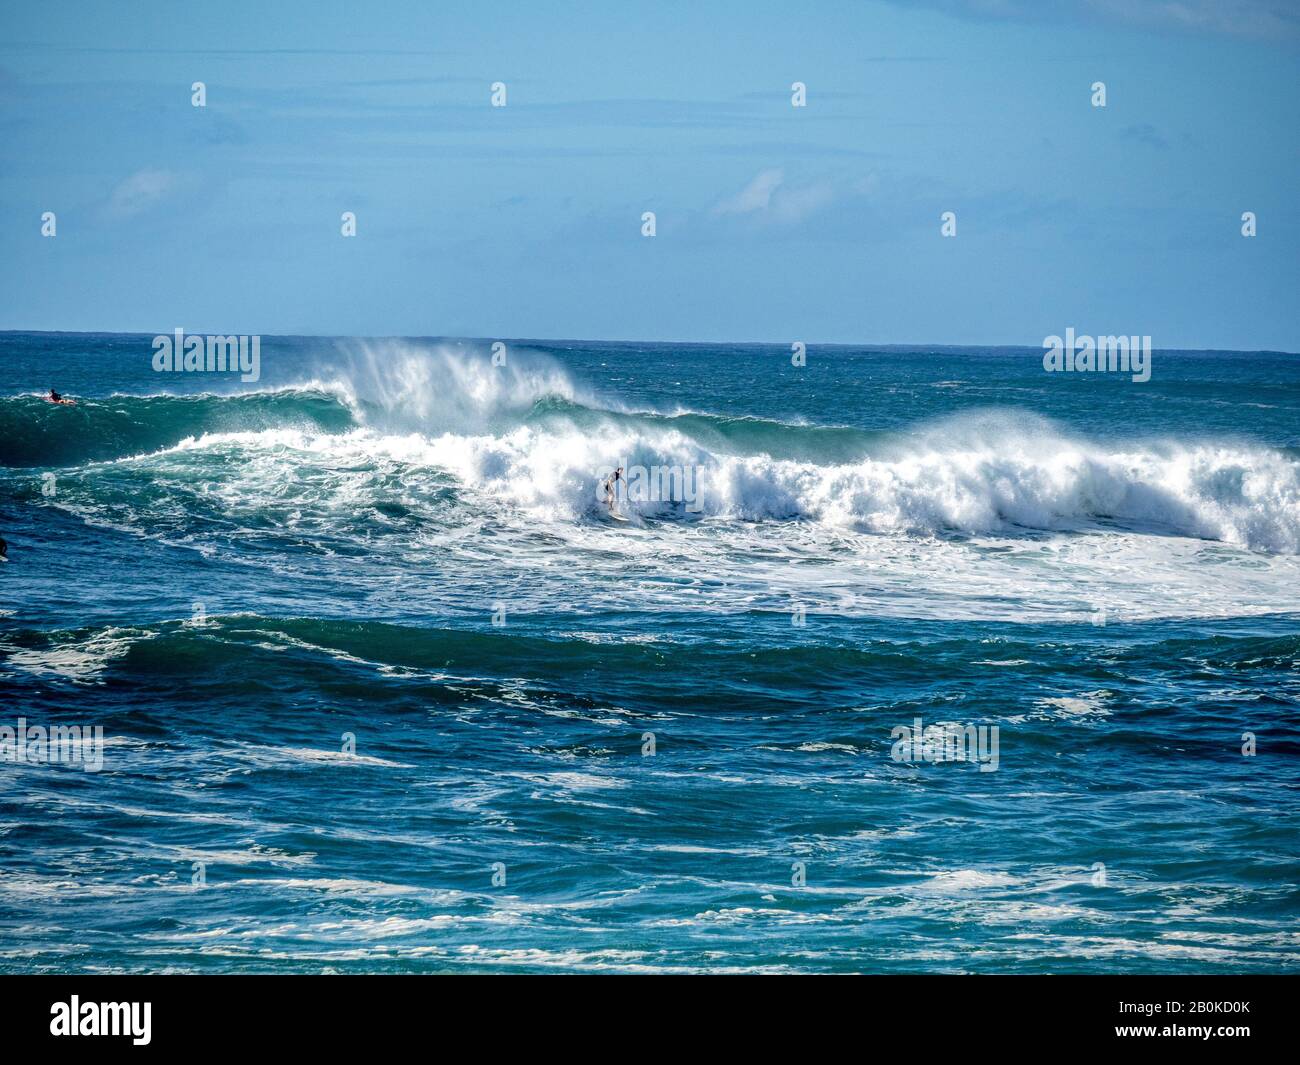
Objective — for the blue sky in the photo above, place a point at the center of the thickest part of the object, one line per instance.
(775, 223)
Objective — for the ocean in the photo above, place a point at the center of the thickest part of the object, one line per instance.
(386, 684)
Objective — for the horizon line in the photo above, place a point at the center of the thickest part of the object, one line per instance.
(598, 340)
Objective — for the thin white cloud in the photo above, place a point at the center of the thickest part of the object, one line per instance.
(768, 197)
(794, 205)
(139, 192)
(1268, 19)
(1244, 18)
(755, 196)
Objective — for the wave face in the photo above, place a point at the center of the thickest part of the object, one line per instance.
(365, 634)
(36, 433)
(396, 388)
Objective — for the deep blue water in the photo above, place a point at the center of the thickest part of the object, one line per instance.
(364, 639)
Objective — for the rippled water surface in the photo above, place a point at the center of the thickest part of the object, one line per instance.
(383, 688)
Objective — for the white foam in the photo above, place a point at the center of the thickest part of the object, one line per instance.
(1000, 516)
(78, 659)
(1234, 493)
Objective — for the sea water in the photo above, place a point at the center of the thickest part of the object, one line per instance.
(380, 687)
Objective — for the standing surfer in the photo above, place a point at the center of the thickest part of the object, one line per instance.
(611, 488)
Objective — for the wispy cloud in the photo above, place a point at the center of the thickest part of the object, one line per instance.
(139, 192)
(755, 196)
(1242, 18)
(768, 197)
(1271, 19)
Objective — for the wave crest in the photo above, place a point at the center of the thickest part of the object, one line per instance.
(392, 386)
(994, 476)
(522, 434)
(400, 386)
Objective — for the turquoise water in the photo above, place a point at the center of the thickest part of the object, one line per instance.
(364, 642)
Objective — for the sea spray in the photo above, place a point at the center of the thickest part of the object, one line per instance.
(403, 386)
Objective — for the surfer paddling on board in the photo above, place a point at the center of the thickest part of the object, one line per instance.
(54, 397)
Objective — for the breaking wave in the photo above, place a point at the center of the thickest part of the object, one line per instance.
(525, 436)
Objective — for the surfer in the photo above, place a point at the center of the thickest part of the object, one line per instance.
(54, 397)
(4, 549)
(611, 487)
